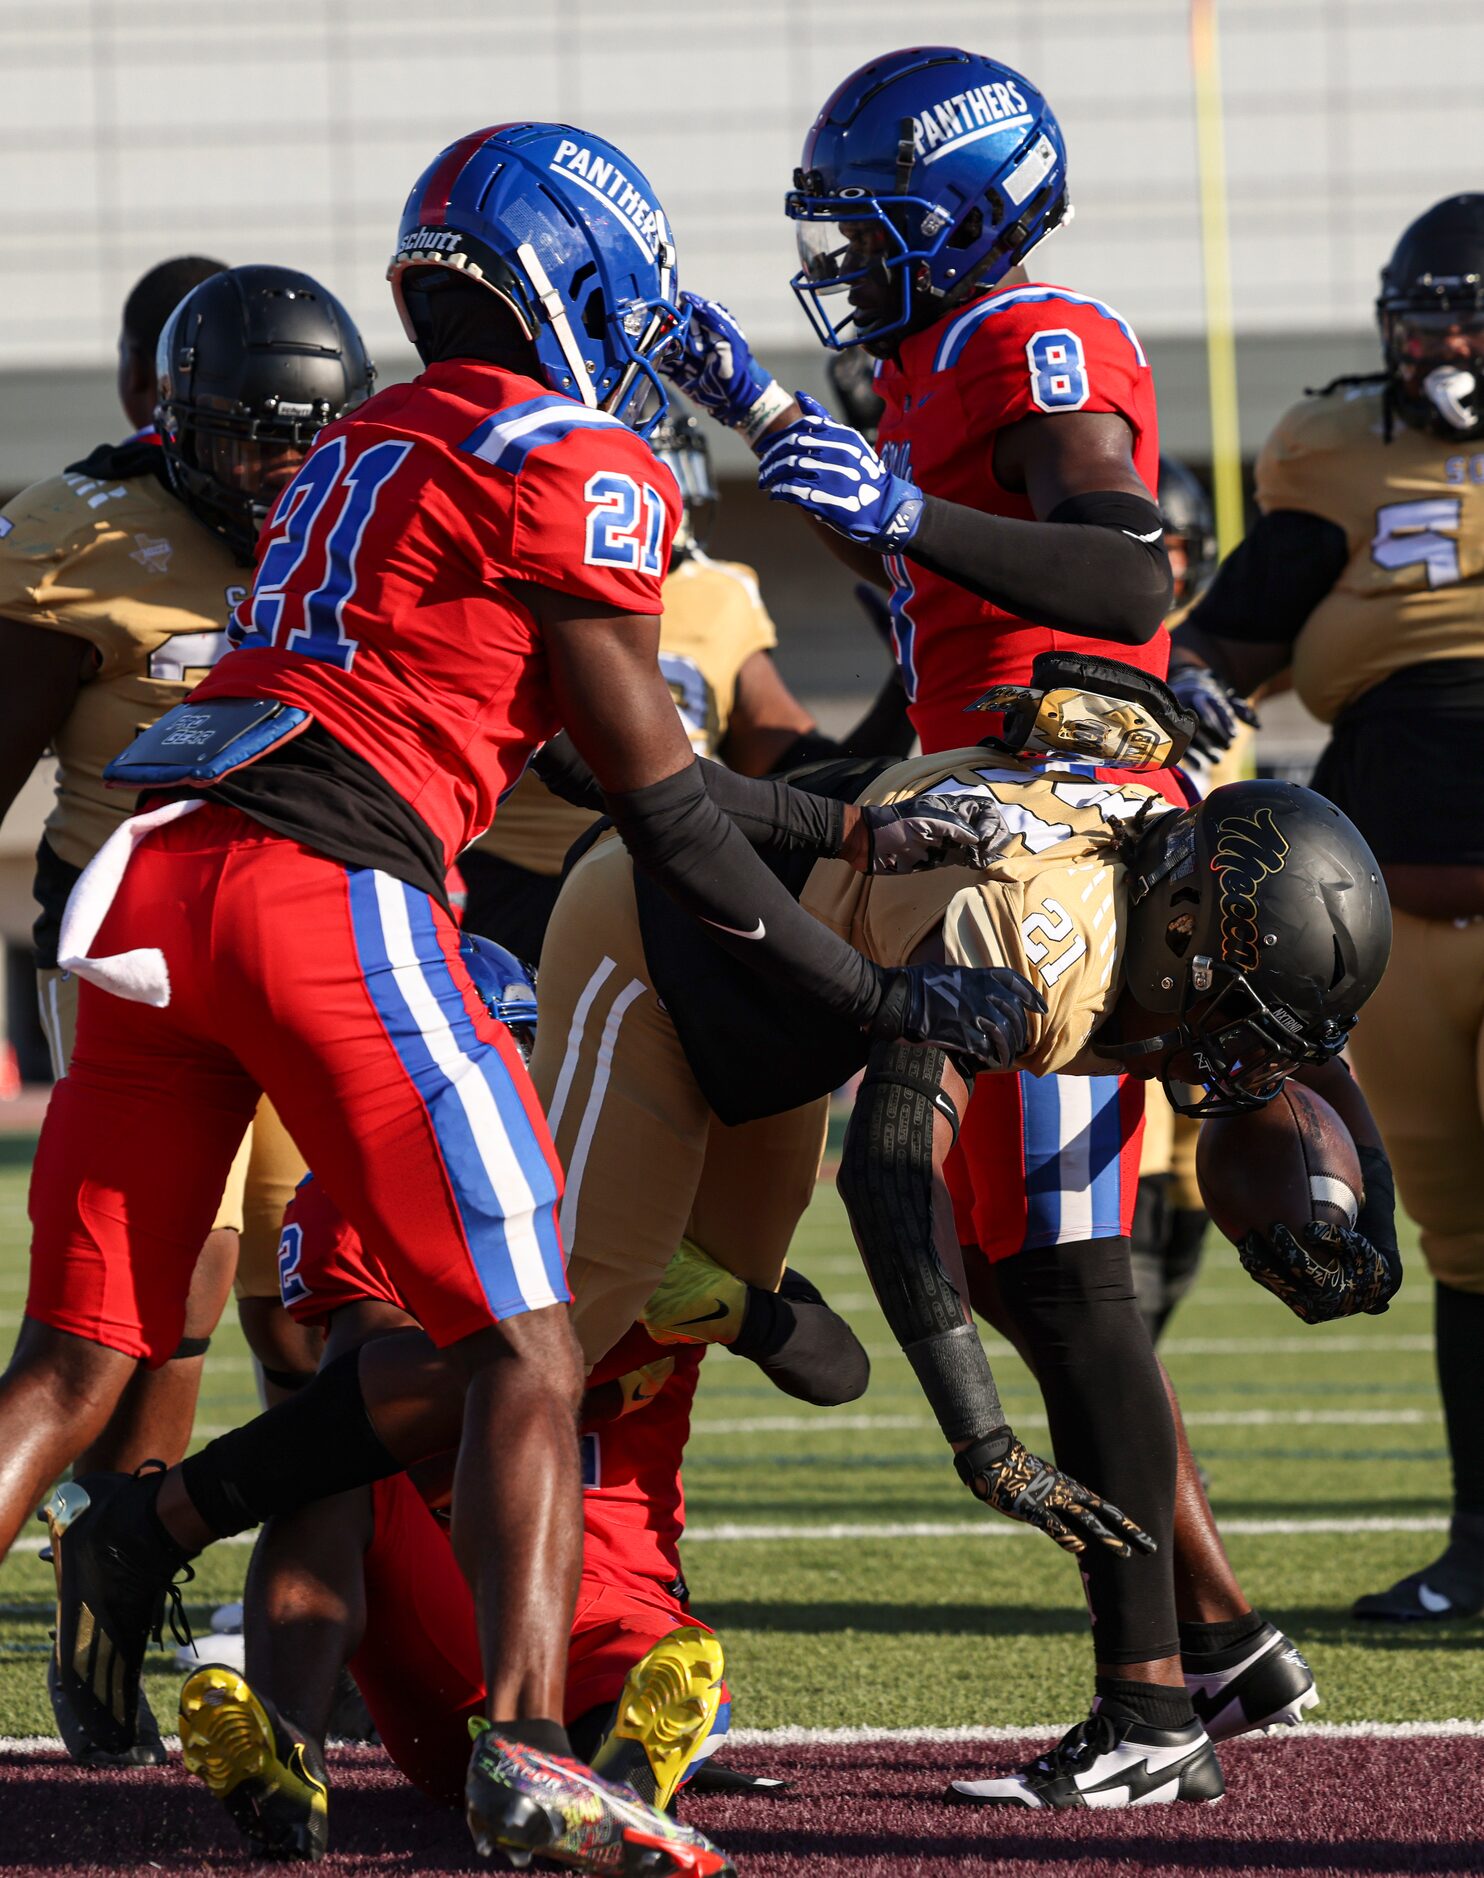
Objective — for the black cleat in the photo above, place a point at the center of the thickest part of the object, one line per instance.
(1108, 1761)
(1452, 1586)
(111, 1595)
(148, 1749)
(1261, 1683)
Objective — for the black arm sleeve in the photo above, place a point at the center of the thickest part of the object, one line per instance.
(1272, 580)
(769, 814)
(1096, 566)
(679, 836)
(886, 1181)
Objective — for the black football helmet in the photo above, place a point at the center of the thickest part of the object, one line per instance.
(1258, 921)
(680, 444)
(1431, 310)
(261, 356)
(1185, 510)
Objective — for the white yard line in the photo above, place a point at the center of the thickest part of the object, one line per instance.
(824, 1533)
(742, 1533)
(1306, 1731)
(853, 1737)
(825, 1419)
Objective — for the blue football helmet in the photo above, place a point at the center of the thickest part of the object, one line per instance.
(505, 985)
(569, 234)
(926, 177)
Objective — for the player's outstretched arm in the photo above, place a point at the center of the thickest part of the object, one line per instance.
(1093, 561)
(619, 713)
(1326, 1271)
(46, 668)
(891, 1179)
(716, 369)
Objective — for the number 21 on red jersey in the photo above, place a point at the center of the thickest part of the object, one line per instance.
(321, 521)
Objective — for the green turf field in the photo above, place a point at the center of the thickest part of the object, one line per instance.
(984, 1624)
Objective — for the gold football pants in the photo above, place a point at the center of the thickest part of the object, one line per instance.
(646, 1161)
(1419, 1053)
(265, 1172)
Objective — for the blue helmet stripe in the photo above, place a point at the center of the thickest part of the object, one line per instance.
(951, 346)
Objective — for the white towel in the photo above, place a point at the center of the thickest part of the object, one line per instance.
(141, 975)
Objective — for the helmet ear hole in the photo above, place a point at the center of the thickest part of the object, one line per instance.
(1342, 967)
(1179, 932)
(969, 231)
(595, 314)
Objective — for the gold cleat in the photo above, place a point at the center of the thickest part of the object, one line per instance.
(697, 1300)
(666, 1711)
(265, 1773)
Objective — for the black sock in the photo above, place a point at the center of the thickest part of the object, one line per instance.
(1458, 1322)
(547, 1737)
(1148, 1702)
(317, 1443)
(801, 1345)
(1208, 1639)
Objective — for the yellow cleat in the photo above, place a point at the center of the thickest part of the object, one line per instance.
(268, 1777)
(697, 1300)
(666, 1711)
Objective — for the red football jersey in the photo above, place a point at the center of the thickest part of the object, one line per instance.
(633, 1499)
(382, 600)
(633, 1503)
(1019, 352)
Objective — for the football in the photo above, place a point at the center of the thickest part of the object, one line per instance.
(1286, 1163)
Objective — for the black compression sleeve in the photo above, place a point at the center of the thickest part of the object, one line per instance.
(1096, 566)
(1272, 581)
(769, 814)
(678, 835)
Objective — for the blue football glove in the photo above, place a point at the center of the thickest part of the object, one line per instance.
(1218, 709)
(713, 365)
(831, 471)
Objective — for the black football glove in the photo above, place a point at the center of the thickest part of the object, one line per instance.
(1217, 709)
(933, 831)
(1326, 1271)
(1323, 1271)
(998, 1470)
(976, 1014)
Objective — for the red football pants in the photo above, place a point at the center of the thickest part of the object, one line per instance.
(338, 991)
(418, 1666)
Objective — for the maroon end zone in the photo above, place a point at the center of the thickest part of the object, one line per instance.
(1295, 1808)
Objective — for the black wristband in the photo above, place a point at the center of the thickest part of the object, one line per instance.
(986, 1453)
(1096, 566)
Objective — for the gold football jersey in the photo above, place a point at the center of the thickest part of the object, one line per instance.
(1413, 515)
(714, 620)
(1049, 906)
(128, 568)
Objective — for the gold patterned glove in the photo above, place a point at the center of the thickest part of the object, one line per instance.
(999, 1470)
